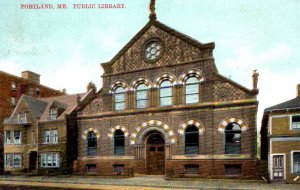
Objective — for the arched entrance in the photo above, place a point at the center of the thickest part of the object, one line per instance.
(155, 153)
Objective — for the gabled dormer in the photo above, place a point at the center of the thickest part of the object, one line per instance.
(56, 109)
(26, 111)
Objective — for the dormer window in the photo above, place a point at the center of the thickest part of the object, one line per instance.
(53, 114)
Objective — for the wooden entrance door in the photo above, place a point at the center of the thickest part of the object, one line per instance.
(32, 160)
(278, 167)
(156, 155)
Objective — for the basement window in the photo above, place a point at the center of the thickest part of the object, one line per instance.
(233, 170)
(91, 168)
(191, 169)
(119, 169)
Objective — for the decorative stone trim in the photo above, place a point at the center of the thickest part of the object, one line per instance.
(153, 123)
(138, 81)
(164, 76)
(196, 123)
(116, 84)
(85, 132)
(225, 122)
(113, 129)
(193, 72)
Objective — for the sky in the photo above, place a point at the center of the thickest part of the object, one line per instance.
(66, 46)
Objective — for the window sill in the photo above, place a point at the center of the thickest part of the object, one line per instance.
(191, 155)
(49, 167)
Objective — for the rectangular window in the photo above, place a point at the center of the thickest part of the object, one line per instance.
(13, 85)
(91, 168)
(52, 114)
(50, 136)
(7, 137)
(7, 160)
(54, 136)
(296, 162)
(233, 170)
(50, 160)
(296, 122)
(47, 136)
(17, 160)
(119, 169)
(13, 101)
(191, 169)
(17, 137)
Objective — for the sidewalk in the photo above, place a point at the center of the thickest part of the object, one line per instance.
(137, 183)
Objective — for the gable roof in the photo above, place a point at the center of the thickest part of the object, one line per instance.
(35, 105)
(165, 28)
(234, 83)
(39, 107)
(290, 104)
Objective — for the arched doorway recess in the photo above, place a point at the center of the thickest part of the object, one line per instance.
(155, 153)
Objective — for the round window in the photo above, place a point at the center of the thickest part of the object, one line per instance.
(153, 50)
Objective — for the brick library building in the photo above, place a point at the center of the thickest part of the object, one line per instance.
(164, 109)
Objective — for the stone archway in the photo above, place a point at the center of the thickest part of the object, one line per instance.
(155, 153)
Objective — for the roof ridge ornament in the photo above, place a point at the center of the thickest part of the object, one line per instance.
(152, 15)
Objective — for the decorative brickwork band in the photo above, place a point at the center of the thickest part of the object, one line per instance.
(225, 122)
(91, 129)
(165, 76)
(193, 122)
(113, 129)
(138, 135)
(192, 72)
(116, 84)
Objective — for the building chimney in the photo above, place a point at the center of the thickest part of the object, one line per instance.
(64, 91)
(298, 90)
(31, 76)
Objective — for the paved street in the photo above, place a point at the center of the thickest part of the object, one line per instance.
(134, 183)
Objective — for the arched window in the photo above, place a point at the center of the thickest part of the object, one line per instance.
(141, 96)
(232, 139)
(91, 143)
(192, 90)
(119, 98)
(191, 140)
(119, 142)
(165, 93)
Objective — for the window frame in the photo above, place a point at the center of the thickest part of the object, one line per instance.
(191, 133)
(88, 149)
(291, 122)
(292, 162)
(232, 132)
(8, 159)
(13, 159)
(141, 99)
(165, 87)
(123, 102)
(13, 85)
(191, 94)
(120, 137)
(7, 137)
(14, 137)
(44, 159)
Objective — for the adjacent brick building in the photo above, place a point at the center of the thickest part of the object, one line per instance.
(11, 89)
(280, 140)
(165, 109)
(41, 134)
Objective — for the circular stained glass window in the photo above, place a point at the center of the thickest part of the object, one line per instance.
(153, 50)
